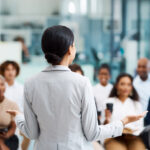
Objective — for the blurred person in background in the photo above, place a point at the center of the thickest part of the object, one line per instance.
(142, 82)
(102, 89)
(8, 139)
(25, 51)
(76, 68)
(14, 90)
(125, 101)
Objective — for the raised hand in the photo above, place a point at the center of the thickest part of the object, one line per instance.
(13, 112)
(133, 118)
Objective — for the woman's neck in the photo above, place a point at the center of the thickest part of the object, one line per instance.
(65, 61)
(104, 84)
(10, 82)
(122, 98)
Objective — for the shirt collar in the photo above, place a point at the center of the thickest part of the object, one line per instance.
(141, 81)
(15, 84)
(56, 68)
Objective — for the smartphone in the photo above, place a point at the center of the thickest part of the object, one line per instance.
(109, 106)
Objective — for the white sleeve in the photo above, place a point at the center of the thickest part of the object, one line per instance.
(28, 123)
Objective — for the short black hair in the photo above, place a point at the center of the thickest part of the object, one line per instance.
(104, 66)
(56, 41)
(76, 67)
(5, 64)
(114, 93)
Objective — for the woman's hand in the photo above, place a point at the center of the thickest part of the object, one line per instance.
(130, 119)
(13, 112)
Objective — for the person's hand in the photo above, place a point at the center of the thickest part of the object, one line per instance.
(4, 135)
(108, 115)
(13, 112)
(133, 118)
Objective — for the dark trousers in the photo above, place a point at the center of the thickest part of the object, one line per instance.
(145, 136)
(147, 118)
(12, 143)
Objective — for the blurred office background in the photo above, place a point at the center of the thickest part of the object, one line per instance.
(111, 31)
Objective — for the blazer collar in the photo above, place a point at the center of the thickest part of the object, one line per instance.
(56, 68)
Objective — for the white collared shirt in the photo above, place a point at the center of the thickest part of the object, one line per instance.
(15, 93)
(101, 93)
(143, 89)
(129, 107)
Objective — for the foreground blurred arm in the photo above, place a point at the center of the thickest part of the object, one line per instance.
(27, 123)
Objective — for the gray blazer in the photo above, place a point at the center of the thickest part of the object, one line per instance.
(60, 112)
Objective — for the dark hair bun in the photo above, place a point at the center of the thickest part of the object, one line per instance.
(52, 58)
(56, 41)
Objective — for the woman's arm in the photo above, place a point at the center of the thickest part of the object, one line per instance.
(27, 123)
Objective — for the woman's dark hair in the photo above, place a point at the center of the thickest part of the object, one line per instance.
(134, 96)
(56, 41)
(20, 39)
(104, 66)
(76, 67)
(5, 64)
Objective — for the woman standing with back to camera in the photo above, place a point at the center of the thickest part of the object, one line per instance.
(59, 109)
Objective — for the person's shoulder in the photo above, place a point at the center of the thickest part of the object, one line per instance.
(136, 80)
(32, 79)
(110, 85)
(136, 103)
(110, 99)
(76, 77)
(96, 86)
(11, 103)
(18, 85)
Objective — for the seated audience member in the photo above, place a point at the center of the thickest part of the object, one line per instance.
(25, 52)
(103, 88)
(14, 91)
(124, 101)
(76, 68)
(142, 82)
(8, 139)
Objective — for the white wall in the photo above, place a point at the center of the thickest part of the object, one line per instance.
(32, 7)
(10, 51)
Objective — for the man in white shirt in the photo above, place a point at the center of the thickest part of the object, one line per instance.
(142, 82)
(103, 88)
